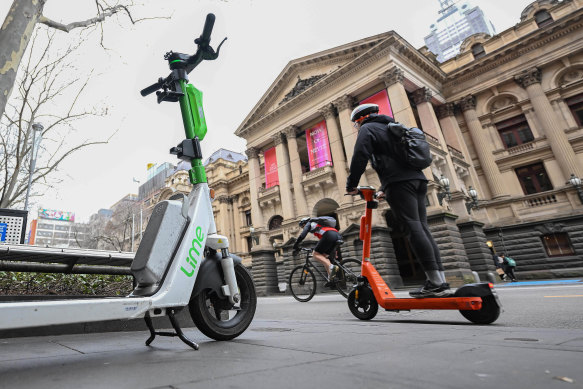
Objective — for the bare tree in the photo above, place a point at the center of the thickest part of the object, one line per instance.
(45, 94)
(20, 23)
(115, 233)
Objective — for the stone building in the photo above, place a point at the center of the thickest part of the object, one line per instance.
(503, 117)
(228, 175)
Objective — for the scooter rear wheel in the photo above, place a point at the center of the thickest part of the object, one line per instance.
(490, 310)
(214, 316)
(366, 306)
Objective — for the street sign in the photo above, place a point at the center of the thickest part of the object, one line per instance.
(3, 229)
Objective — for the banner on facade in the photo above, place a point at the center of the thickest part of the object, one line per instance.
(271, 176)
(56, 215)
(318, 146)
(382, 100)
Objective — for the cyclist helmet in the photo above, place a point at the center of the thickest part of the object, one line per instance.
(304, 221)
(362, 111)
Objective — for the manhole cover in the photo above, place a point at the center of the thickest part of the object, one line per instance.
(271, 329)
(523, 339)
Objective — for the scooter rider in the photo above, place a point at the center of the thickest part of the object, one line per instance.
(404, 188)
(328, 237)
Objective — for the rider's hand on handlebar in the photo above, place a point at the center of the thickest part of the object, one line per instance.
(351, 191)
(380, 194)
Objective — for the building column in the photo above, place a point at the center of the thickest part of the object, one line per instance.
(338, 159)
(453, 137)
(254, 184)
(296, 171)
(481, 145)
(284, 175)
(402, 110)
(344, 105)
(236, 223)
(563, 152)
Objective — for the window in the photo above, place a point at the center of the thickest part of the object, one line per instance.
(543, 18)
(248, 218)
(533, 178)
(478, 51)
(275, 222)
(557, 244)
(575, 104)
(514, 131)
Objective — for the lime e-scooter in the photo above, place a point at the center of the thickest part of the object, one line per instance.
(181, 260)
(476, 302)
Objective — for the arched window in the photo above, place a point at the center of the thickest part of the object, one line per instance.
(275, 222)
(543, 18)
(478, 51)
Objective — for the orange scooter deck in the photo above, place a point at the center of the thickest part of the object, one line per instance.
(387, 299)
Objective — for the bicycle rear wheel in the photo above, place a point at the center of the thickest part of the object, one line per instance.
(302, 283)
(347, 276)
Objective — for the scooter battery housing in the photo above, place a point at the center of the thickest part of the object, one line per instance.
(159, 242)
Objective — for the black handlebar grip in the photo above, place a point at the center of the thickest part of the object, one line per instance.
(208, 28)
(151, 89)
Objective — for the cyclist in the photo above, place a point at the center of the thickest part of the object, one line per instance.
(322, 228)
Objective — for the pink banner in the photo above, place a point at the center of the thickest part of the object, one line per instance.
(271, 176)
(318, 146)
(382, 100)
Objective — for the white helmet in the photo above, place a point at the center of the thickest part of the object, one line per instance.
(363, 110)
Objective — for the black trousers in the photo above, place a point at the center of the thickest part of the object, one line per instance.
(407, 201)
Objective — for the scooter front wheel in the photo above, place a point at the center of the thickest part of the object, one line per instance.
(362, 303)
(216, 318)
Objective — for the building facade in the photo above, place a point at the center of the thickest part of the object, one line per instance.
(55, 228)
(457, 21)
(503, 118)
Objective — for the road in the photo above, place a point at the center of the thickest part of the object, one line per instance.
(536, 343)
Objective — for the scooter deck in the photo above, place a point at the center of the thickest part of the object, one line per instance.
(387, 299)
(458, 303)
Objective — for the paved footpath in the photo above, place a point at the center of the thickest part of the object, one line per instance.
(316, 344)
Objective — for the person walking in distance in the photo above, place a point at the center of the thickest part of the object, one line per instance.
(403, 187)
(509, 265)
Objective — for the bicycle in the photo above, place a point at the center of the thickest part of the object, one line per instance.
(302, 282)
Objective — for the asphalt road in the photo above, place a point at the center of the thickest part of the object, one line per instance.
(536, 343)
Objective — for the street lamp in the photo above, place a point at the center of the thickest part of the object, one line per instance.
(576, 182)
(472, 203)
(443, 190)
(37, 128)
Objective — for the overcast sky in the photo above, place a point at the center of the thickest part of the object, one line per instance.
(263, 36)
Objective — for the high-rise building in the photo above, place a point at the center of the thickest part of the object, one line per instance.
(57, 229)
(457, 21)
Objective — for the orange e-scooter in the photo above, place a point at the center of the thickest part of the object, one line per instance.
(476, 302)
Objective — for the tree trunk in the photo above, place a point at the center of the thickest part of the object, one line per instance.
(15, 35)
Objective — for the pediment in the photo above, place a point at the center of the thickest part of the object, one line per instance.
(309, 72)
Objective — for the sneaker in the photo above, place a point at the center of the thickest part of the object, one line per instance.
(431, 290)
(333, 273)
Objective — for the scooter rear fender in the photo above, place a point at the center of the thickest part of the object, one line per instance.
(210, 274)
(482, 289)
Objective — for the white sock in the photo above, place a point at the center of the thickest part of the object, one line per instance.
(331, 267)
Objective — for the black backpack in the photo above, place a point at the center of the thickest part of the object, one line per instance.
(409, 146)
(324, 221)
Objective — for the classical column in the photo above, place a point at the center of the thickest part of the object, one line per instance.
(224, 227)
(563, 152)
(284, 174)
(339, 162)
(296, 171)
(254, 184)
(344, 105)
(482, 147)
(236, 223)
(402, 111)
(453, 137)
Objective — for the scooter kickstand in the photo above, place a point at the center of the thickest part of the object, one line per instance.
(170, 312)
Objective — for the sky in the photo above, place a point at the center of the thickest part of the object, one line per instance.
(263, 36)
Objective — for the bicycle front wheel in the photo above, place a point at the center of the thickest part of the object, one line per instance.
(302, 283)
(347, 277)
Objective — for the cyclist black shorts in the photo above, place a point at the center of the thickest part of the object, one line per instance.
(328, 241)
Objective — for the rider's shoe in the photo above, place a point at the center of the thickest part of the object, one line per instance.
(432, 290)
(333, 272)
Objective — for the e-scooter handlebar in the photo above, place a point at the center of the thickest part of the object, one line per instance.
(205, 37)
(152, 88)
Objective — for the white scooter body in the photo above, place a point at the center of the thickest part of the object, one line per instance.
(174, 291)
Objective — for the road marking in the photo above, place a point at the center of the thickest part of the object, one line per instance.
(569, 295)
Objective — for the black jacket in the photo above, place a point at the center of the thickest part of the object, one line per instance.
(372, 144)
